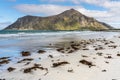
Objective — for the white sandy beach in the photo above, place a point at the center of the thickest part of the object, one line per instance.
(101, 51)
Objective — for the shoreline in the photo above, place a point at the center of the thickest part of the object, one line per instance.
(85, 59)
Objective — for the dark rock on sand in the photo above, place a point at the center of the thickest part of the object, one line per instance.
(74, 46)
(112, 42)
(108, 57)
(27, 63)
(2, 58)
(70, 70)
(10, 69)
(50, 56)
(90, 64)
(25, 53)
(104, 70)
(118, 54)
(71, 51)
(112, 46)
(107, 62)
(35, 67)
(84, 56)
(72, 42)
(4, 61)
(60, 63)
(99, 53)
(68, 48)
(41, 51)
(85, 49)
(60, 49)
(99, 48)
(26, 59)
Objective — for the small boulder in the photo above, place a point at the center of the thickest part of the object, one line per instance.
(118, 54)
(85, 62)
(41, 51)
(10, 69)
(25, 53)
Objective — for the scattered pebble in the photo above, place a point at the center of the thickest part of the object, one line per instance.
(104, 70)
(108, 57)
(50, 56)
(70, 70)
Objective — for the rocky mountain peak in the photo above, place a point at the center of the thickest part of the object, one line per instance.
(71, 12)
(67, 20)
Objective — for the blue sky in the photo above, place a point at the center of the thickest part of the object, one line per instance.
(103, 10)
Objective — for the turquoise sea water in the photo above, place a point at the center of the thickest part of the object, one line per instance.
(25, 31)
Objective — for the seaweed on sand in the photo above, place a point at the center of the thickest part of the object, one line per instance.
(60, 63)
(85, 62)
(35, 67)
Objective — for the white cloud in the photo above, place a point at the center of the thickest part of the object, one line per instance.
(112, 14)
(4, 24)
(56, 9)
(42, 9)
(79, 1)
(109, 16)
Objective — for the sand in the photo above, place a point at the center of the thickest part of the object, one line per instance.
(85, 59)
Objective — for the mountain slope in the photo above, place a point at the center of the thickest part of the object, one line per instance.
(68, 20)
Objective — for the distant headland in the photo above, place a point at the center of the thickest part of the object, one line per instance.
(67, 20)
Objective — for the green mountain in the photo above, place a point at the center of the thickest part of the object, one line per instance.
(67, 20)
